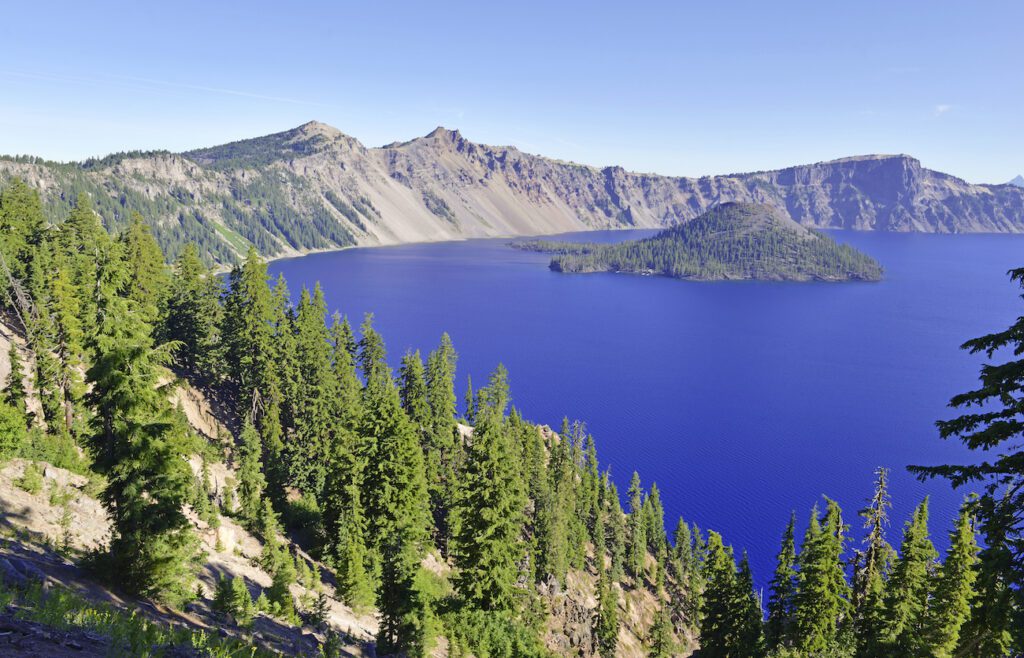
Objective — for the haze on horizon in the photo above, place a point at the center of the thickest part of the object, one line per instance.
(656, 86)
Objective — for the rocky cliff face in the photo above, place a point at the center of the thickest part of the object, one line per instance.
(315, 188)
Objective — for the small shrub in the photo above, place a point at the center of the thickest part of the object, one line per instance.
(31, 479)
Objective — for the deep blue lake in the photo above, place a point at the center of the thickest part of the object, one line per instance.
(742, 400)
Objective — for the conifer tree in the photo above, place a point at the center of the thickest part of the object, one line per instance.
(14, 389)
(372, 355)
(637, 528)
(990, 629)
(751, 624)
(654, 521)
(489, 513)
(313, 389)
(398, 504)
(951, 605)
(783, 586)
(148, 277)
(442, 445)
(993, 422)
(660, 640)
(251, 356)
(251, 481)
(822, 602)
(22, 224)
(348, 396)
(139, 444)
(721, 628)
(355, 580)
(192, 316)
(909, 589)
(871, 569)
(412, 390)
(590, 488)
(616, 532)
(606, 617)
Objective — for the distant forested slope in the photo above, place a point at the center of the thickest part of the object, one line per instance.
(314, 187)
(731, 241)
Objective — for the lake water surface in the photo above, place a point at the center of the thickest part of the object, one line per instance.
(742, 400)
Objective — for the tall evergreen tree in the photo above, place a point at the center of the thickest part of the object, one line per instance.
(909, 589)
(251, 481)
(148, 276)
(309, 449)
(751, 620)
(22, 225)
(14, 388)
(348, 397)
(951, 605)
(654, 521)
(139, 444)
(783, 586)
(412, 390)
(192, 317)
(488, 548)
(637, 530)
(442, 444)
(994, 423)
(871, 569)
(721, 629)
(822, 602)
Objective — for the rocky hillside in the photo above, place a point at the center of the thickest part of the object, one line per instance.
(316, 188)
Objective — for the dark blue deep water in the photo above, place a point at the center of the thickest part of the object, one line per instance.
(742, 400)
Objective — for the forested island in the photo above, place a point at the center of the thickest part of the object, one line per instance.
(464, 531)
(732, 241)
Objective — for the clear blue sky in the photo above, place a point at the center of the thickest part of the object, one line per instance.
(684, 88)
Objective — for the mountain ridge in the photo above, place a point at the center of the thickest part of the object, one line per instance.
(314, 187)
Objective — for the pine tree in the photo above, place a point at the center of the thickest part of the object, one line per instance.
(871, 569)
(398, 506)
(348, 397)
(994, 424)
(314, 385)
(606, 617)
(251, 481)
(139, 444)
(412, 390)
(660, 637)
(192, 316)
(355, 581)
(442, 444)
(654, 521)
(821, 602)
(251, 351)
(22, 224)
(909, 588)
(990, 629)
(489, 511)
(637, 528)
(14, 389)
(590, 487)
(751, 621)
(616, 533)
(148, 277)
(721, 628)
(783, 590)
(951, 605)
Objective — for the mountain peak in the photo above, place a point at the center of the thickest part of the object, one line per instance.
(443, 133)
(1018, 181)
(312, 128)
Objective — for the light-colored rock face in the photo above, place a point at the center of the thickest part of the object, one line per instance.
(316, 188)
